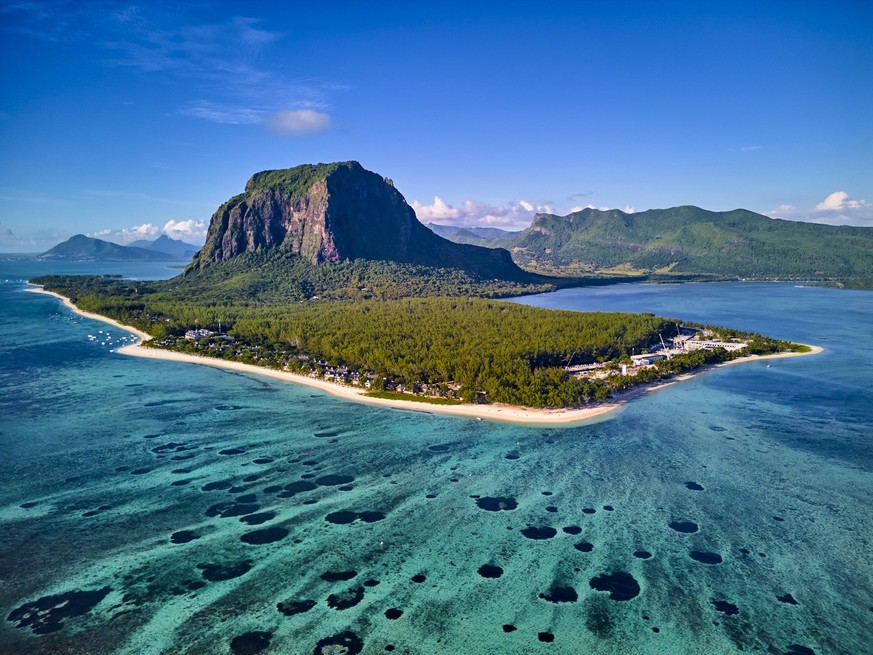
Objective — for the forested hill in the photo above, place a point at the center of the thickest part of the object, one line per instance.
(82, 248)
(694, 242)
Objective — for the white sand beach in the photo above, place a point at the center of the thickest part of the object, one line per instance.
(492, 412)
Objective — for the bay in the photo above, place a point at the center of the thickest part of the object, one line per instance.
(194, 503)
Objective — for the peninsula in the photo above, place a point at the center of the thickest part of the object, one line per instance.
(323, 275)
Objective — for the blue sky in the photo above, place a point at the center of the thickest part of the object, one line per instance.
(128, 121)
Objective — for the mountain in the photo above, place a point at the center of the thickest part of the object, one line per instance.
(692, 241)
(82, 248)
(473, 235)
(333, 213)
(164, 244)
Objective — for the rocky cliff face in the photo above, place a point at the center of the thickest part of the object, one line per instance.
(334, 212)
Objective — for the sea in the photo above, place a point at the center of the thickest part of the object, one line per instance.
(161, 507)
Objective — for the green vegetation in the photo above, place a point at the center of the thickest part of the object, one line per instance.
(394, 395)
(294, 182)
(458, 348)
(82, 248)
(691, 243)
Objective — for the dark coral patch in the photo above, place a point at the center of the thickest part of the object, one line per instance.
(338, 576)
(497, 503)
(439, 448)
(572, 529)
(490, 571)
(620, 585)
(333, 480)
(343, 517)
(693, 486)
(642, 554)
(609, 508)
(49, 612)
(292, 607)
(685, 527)
(344, 643)
(393, 613)
(546, 637)
(551, 508)
(705, 557)
(250, 643)
(589, 510)
(787, 598)
(229, 510)
(727, 608)
(512, 454)
(346, 599)
(545, 532)
(263, 460)
(264, 536)
(418, 578)
(561, 595)
(508, 627)
(183, 536)
(584, 547)
(142, 471)
(29, 504)
(216, 486)
(232, 451)
(796, 649)
(371, 517)
(219, 572)
(371, 583)
(297, 487)
(257, 519)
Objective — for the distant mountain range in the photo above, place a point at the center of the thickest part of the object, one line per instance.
(472, 235)
(82, 248)
(179, 249)
(689, 242)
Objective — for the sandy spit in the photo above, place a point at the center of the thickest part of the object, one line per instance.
(492, 412)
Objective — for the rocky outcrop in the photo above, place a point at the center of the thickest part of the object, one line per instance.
(335, 212)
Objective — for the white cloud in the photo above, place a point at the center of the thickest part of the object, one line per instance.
(440, 210)
(837, 209)
(191, 231)
(299, 122)
(839, 201)
(515, 215)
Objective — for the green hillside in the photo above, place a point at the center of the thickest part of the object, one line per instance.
(693, 242)
(82, 248)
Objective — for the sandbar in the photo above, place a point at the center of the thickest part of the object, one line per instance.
(492, 412)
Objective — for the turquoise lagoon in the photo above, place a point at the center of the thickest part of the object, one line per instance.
(161, 507)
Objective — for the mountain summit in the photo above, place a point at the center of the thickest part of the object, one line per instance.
(333, 213)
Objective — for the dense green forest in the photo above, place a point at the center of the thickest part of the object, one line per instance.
(689, 242)
(475, 349)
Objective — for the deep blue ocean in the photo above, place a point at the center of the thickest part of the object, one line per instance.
(160, 507)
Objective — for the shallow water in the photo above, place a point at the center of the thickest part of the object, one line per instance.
(110, 456)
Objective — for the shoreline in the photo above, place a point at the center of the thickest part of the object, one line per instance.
(494, 412)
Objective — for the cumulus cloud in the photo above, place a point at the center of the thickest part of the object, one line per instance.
(515, 215)
(299, 122)
(837, 209)
(191, 231)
